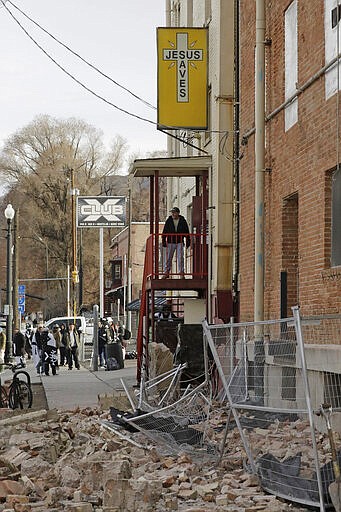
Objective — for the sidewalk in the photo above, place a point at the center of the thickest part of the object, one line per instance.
(70, 389)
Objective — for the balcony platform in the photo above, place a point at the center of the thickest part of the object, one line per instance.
(175, 282)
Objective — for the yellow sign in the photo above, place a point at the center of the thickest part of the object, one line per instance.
(182, 78)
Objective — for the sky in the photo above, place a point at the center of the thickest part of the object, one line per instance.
(118, 37)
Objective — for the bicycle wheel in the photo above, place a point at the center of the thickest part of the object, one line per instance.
(3, 397)
(20, 395)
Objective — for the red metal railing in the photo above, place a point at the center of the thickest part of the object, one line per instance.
(189, 261)
(177, 255)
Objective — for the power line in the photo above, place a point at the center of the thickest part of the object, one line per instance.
(87, 88)
(82, 58)
(72, 76)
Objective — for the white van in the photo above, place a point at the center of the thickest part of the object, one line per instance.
(79, 321)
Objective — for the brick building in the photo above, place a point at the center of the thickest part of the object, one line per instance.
(302, 186)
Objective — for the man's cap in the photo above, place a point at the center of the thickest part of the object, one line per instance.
(175, 209)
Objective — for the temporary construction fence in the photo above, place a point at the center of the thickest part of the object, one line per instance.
(172, 416)
(180, 426)
(275, 378)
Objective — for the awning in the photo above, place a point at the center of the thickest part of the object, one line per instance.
(168, 167)
(114, 291)
(159, 302)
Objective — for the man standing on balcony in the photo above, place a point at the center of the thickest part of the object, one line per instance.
(173, 236)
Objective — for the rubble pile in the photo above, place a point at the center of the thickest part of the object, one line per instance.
(69, 461)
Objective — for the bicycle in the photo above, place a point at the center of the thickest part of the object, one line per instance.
(19, 393)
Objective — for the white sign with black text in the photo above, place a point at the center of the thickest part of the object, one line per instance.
(101, 211)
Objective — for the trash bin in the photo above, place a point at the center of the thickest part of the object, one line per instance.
(114, 350)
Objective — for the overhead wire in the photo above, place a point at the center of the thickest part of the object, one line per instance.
(70, 74)
(98, 96)
(82, 58)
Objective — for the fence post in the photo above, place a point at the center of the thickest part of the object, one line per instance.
(95, 339)
(228, 394)
(299, 338)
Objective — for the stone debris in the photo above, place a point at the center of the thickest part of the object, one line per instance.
(69, 462)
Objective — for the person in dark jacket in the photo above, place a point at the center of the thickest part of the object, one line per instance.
(102, 341)
(63, 345)
(173, 237)
(72, 348)
(19, 342)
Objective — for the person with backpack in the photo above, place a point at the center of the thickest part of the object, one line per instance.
(49, 349)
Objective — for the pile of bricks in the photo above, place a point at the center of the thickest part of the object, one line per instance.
(69, 461)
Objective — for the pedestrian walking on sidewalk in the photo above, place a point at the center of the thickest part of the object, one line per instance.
(49, 353)
(37, 348)
(63, 344)
(44, 351)
(19, 343)
(2, 347)
(28, 339)
(102, 341)
(58, 338)
(73, 347)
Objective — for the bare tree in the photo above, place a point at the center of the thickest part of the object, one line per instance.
(35, 164)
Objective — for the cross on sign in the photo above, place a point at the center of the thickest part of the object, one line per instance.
(183, 56)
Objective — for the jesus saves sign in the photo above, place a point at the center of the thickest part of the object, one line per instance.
(182, 78)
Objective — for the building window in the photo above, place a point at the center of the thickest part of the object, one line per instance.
(290, 249)
(332, 34)
(117, 272)
(336, 218)
(291, 66)
(336, 15)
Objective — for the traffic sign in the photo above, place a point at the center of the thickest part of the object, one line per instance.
(21, 300)
(22, 289)
(21, 309)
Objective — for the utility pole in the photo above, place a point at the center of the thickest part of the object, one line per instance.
(74, 272)
(128, 263)
(80, 297)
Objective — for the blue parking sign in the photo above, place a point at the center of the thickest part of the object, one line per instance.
(22, 289)
(21, 309)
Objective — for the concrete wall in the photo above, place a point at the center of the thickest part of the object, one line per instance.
(194, 311)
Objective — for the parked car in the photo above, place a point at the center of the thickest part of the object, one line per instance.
(79, 321)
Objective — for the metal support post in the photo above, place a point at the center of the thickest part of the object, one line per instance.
(9, 214)
(95, 340)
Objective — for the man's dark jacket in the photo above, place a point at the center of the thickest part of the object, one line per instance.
(172, 236)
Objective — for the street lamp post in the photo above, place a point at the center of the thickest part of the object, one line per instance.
(9, 214)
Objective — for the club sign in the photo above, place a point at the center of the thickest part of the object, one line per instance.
(101, 211)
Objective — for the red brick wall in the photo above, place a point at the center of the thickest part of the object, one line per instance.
(298, 160)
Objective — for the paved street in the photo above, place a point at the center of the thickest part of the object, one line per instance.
(74, 388)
